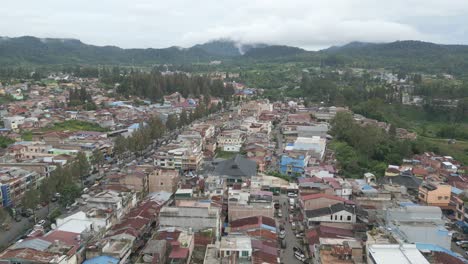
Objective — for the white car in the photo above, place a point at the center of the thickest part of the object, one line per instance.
(292, 194)
(41, 223)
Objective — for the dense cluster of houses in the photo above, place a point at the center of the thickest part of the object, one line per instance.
(210, 195)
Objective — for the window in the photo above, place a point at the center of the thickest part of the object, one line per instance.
(446, 197)
(440, 197)
(422, 196)
(336, 217)
(162, 183)
(341, 217)
(245, 254)
(349, 218)
(331, 217)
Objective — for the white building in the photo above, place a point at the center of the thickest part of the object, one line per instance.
(12, 122)
(395, 253)
(315, 145)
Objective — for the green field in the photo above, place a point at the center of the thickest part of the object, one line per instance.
(459, 150)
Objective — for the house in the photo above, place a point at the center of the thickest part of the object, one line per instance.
(231, 140)
(434, 193)
(154, 251)
(238, 247)
(196, 217)
(260, 227)
(418, 224)
(294, 162)
(319, 200)
(236, 169)
(13, 122)
(395, 253)
(315, 146)
(163, 180)
(180, 242)
(337, 213)
(136, 181)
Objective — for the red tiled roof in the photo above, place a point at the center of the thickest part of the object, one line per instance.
(254, 220)
(68, 238)
(321, 195)
(420, 171)
(444, 258)
(179, 253)
(28, 254)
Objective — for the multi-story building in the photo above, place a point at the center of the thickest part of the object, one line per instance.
(435, 193)
(14, 182)
(186, 156)
(163, 180)
(28, 150)
(231, 140)
(294, 162)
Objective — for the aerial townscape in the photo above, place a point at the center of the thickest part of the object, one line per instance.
(232, 152)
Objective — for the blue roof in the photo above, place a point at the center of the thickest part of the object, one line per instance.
(367, 187)
(134, 126)
(102, 260)
(437, 248)
(406, 204)
(456, 190)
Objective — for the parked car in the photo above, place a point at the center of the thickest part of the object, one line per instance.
(293, 225)
(461, 242)
(42, 222)
(301, 257)
(280, 214)
(291, 194)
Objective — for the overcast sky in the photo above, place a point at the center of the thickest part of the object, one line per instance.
(310, 24)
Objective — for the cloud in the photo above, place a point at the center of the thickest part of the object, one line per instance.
(309, 24)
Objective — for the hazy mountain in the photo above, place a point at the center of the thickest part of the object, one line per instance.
(227, 48)
(31, 50)
(412, 55)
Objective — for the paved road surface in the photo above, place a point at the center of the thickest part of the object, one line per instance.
(18, 228)
(287, 255)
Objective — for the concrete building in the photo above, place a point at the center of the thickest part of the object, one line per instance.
(163, 180)
(395, 253)
(418, 224)
(13, 122)
(436, 194)
(197, 217)
(238, 247)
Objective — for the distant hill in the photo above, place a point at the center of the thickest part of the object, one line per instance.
(227, 48)
(409, 55)
(31, 50)
(272, 52)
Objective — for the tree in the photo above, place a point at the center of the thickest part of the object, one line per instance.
(120, 145)
(98, 158)
(30, 198)
(47, 189)
(183, 119)
(171, 122)
(83, 164)
(69, 193)
(3, 214)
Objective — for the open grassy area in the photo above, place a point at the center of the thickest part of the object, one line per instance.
(459, 150)
(225, 154)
